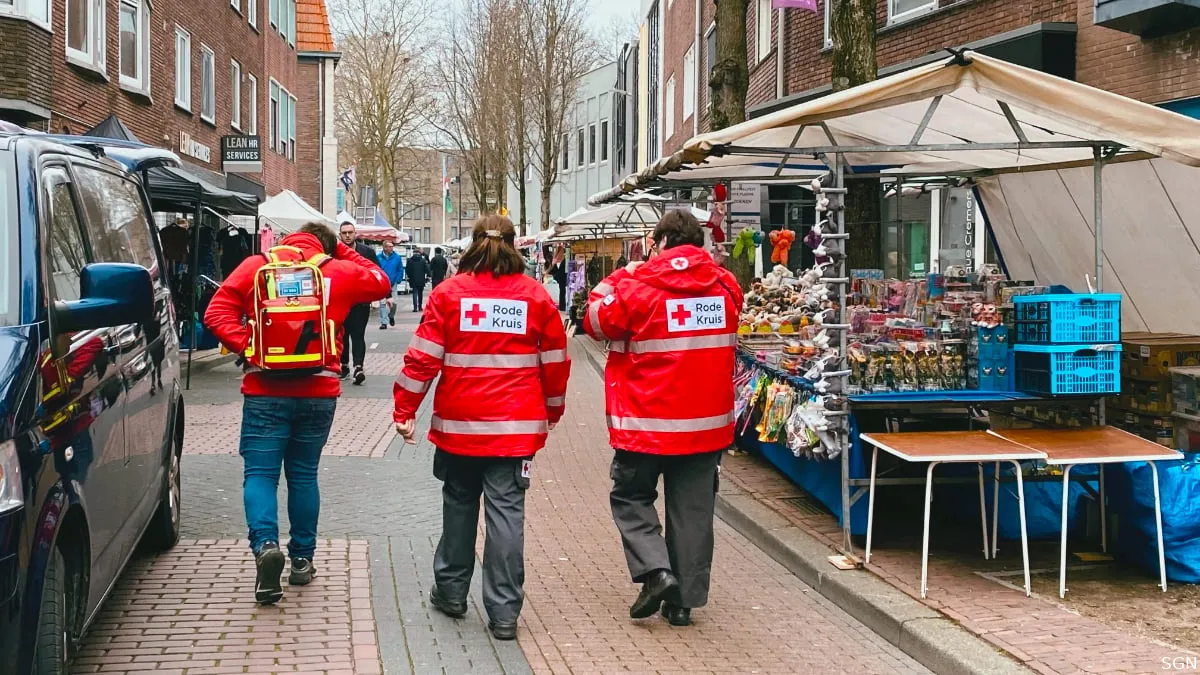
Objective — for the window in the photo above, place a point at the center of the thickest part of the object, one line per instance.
(669, 108)
(428, 235)
(183, 69)
(116, 221)
(273, 128)
(291, 22)
(134, 42)
(283, 121)
(37, 11)
(689, 82)
(899, 10)
(235, 4)
(252, 12)
(603, 140)
(828, 23)
(67, 254)
(252, 110)
(710, 49)
(275, 12)
(565, 161)
(235, 93)
(208, 88)
(291, 127)
(591, 144)
(762, 19)
(85, 33)
(428, 213)
(580, 158)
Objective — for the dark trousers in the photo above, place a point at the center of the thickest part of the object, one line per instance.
(418, 297)
(562, 295)
(354, 334)
(690, 489)
(502, 485)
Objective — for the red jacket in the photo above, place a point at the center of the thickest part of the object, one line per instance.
(501, 349)
(669, 379)
(352, 280)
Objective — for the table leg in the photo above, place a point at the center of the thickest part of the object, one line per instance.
(925, 534)
(1062, 546)
(1162, 556)
(871, 503)
(983, 513)
(1103, 515)
(1021, 514)
(996, 512)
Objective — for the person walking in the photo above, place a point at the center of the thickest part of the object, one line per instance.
(498, 342)
(354, 335)
(558, 272)
(438, 267)
(417, 269)
(669, 401)
(393, 266)
(286, 416)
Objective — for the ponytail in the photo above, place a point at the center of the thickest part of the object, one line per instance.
(493, 248)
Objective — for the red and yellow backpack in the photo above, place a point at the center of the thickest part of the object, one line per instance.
(290, 332)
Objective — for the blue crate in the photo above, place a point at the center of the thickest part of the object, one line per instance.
(1062, 370)
(1068, 318)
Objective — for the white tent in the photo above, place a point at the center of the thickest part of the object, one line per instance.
(287, 212)
(620, 220)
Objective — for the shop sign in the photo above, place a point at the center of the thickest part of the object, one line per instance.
(241, 154)
(745, 207)
(193, 148)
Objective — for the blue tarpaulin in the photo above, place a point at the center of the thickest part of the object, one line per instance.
(1131, 499)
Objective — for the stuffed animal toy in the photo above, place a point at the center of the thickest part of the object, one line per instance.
(781, 242)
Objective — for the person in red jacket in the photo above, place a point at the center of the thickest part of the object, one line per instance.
(672, 326)
(496, 337)
(286, 417)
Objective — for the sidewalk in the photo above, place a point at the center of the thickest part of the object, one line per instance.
(1042, 633)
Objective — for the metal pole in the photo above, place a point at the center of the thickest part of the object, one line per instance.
(195, 277)
(838, 197)
(1098, 221)
(460, 203)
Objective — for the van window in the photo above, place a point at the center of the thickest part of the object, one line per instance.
(67, 254)
(8, 240)
(117, 224)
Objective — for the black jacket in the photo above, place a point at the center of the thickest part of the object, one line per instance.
(437, 268)
(416, 269)
(367, 252)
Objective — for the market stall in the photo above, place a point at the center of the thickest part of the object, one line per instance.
(288, 212)
(829, 348)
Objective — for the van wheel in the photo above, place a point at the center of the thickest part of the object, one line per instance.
(163, 533)
(52, 640)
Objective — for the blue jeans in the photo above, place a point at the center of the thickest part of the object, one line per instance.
(289, 433)
(387, 313)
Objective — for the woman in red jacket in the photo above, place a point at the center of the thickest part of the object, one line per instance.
(496, 337)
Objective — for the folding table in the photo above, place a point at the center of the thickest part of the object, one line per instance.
(1094, 445)
(948, 447)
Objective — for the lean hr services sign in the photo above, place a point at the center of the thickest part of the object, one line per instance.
(241, 154)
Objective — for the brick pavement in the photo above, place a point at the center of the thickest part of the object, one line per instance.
(361, 428)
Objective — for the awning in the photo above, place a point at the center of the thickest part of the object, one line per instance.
(620, 220)
(288, 212)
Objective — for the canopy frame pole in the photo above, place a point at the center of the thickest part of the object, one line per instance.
(933, 106)
(1100, 156)
(1012, 121)
(195, 274)
(795, 140)
(918, 147)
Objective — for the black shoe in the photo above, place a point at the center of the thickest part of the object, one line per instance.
(660, 585)
(359, 375)
(676, 615)
(503, 631)
(392, 320)
(345, 372)
(303, 571)
(269, 562)
(383, 326)
(454, 610)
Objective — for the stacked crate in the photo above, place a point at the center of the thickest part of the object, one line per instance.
(1148, 401)
(1068, 344)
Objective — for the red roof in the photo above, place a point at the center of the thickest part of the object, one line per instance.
(312, 27)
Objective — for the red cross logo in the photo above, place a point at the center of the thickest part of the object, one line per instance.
(681, 315)
(476, 315)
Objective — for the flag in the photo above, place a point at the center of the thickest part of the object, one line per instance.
(347, 178)
(446, 203)
(810, 5)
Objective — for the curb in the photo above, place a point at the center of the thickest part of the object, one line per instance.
(205, 364)
(919, 631)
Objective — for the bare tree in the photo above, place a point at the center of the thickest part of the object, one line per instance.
(384, 89)
(612, 36)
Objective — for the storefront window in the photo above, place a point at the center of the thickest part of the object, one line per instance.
(906, 221)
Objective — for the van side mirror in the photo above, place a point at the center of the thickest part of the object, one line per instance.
(111, 294)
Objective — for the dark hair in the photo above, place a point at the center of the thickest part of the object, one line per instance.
(493, 248)
(680, 228)
(328, 239)
(437, 251)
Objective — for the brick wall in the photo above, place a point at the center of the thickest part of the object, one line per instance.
(679, 32)
(762, 69)
(1155, 71)
(280, 63)
(26, 71)
(308, 133)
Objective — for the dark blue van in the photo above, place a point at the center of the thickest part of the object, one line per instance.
(91, 411)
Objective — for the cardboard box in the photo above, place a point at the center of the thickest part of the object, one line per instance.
(1187, 432)
(1153, 397)
(1185, 388)
(1151, 358)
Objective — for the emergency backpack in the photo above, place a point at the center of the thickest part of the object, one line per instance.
(290, 332)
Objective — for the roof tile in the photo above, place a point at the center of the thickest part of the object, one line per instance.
(312, 27)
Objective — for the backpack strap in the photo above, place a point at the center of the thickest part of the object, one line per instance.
(319, 259)
(272, 254)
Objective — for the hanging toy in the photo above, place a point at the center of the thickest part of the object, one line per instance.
(744, 244)
(814, 238)
(715, 219)
(781, 242)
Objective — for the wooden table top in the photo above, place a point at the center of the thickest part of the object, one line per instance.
(950, 446)
(1089, 445)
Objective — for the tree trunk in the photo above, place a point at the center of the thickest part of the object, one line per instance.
(730, 74)
(853, 33)
(545, 205)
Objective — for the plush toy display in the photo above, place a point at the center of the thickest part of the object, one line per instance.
(781, 243)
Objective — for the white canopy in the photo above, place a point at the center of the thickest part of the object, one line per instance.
(287, 213)
(965, 115)
(621, 220)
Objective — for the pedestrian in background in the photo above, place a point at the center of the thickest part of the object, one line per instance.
(354, 334)
(669, 401)
(286, 417)
(393, 266)
(499, 344)
(438, 267)
(417, 270)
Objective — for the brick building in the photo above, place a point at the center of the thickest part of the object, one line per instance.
(178, 74)
(420, 201)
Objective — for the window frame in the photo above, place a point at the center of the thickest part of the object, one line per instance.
(236, 5)
(291, 140)
(669, 107)
(901, 17)
(181, 33)
(19, 9)
(605, 131)
(141, 83)
(565, 158)
(762, 49)
(78, 167)
(97, 39)
(828, 10)
(709, 58)
(273, 15)
(580, 147)
(46, 183)
(235, 94)
(689, 78)
(252, 125)
(211, 99)
(273, 113)
(592, 138)
(252, 13)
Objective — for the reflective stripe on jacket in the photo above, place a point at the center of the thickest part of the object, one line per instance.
(672, 332)
(501, 350)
